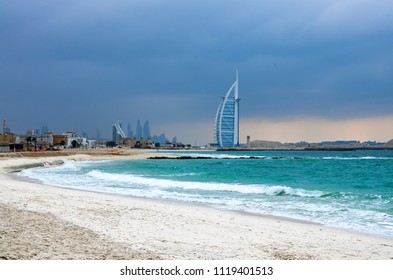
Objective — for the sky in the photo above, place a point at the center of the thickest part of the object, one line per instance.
(308, 70)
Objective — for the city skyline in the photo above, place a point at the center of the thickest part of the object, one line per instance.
(320, 70)
(163, 138)
(140, 133)
(115, 136)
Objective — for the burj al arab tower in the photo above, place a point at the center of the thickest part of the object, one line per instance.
(227, 118)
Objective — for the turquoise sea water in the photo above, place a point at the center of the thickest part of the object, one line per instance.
(350, 190)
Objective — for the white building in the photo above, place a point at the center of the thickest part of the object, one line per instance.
(227, 118)
(71, 137)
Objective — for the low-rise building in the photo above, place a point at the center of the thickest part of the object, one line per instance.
(31, 141)
(59, 140)
(133, 143)
(76, 141)
(7, 138)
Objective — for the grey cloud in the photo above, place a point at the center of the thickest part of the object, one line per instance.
(318, 58)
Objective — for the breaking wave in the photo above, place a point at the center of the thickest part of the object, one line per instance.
(130, 181)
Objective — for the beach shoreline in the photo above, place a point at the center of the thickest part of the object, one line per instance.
(124, 227)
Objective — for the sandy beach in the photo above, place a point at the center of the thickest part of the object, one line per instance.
(46, 222)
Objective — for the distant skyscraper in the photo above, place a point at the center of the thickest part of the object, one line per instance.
(159, 139)
(129, 131)
(146, 130)
(227, 118)
(115, 135)
(44, 129)
(117, 132)
(138, 135)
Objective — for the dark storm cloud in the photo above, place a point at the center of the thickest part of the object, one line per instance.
(91, 62)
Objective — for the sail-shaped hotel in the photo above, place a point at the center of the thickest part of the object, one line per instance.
(227, 118)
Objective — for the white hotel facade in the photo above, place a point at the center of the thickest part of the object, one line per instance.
(227, 118)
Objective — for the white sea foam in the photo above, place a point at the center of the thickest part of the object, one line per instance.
(69, 165)
(128, 180)
(97, 180)
(356, 158)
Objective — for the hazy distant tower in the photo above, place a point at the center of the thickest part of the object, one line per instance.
(117, 132)
(129, 131)
(115, 135)
(138, 135)
(44, 129)
(227, 118)
(146, 130)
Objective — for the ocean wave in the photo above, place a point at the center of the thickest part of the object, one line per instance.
(178, 175)
(359, 197)
(129, 180)
(68, 165)
(357, 158)
(40, 173)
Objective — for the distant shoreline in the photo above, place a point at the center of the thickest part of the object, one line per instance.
(332, 149)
